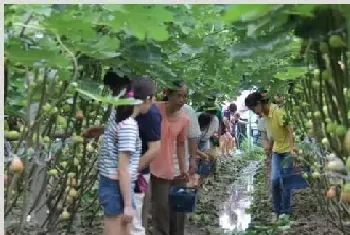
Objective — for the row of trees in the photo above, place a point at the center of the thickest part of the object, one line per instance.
(56, 55)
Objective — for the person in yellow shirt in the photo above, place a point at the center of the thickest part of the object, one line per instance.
(281, 145)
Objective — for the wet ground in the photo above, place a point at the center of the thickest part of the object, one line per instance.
(234, 215)
(217, 206)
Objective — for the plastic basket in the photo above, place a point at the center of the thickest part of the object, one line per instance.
(204, 167)
(292, 177)
(183, 199)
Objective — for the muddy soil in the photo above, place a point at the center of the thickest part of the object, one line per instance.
(306, 218)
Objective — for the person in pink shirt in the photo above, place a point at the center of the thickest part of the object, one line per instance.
(174, 133)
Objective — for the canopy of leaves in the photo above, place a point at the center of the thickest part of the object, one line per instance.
(215, 49)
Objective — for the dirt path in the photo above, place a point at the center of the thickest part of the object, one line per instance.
(215, 190)
(306, 219)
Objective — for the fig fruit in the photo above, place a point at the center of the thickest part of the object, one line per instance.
(16, 165)
(340, 130)
(347, 141)
(335, 41)
(65, 215)
(53, 172)
(331, 193)
(72, 193)
(79, 116)
(324, 47)
(12, 135)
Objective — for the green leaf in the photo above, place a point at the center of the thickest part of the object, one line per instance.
(71, 25)
(302, 10)
(247, 12)
(291, 73)
(35, 56)
(142, 21)
(116, 101)
(103, 47)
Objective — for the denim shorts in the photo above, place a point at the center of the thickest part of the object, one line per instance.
(111, 198)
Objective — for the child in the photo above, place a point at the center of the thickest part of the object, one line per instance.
(118, 162)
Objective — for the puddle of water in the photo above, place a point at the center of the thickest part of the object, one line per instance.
(233, 216)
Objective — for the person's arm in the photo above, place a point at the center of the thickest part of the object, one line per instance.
(265, 141)
(124, 177)
(291, 138)
(216, 125)
(152, 152)
(281, 121)
(181, 154)
(193, 150)
(153, 136)
(127, 137)
(202, 154)
(194, 133)
(93, 132)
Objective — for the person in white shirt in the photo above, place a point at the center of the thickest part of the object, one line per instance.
(191, 145)
(209, 126)
(265, 141)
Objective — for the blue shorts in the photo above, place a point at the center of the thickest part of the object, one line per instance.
(110, 196)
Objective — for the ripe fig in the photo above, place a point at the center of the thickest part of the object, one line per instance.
(79, 116)
(331, 193)
(16, 165)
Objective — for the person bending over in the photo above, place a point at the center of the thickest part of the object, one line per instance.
(281, 145)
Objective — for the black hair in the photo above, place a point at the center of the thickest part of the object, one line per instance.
(115, 82)
(142, 88)
(232, 107)
(175, 86)
(262, 90)
(254, 99)
(204, 120)
(222, 127)
(211, 112)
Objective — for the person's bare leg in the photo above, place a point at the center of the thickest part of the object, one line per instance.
(125, 229)
(222, 140)
(229, 146)
(234, 144)
(112, 225)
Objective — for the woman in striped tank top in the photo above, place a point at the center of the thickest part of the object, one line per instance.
(119, 157)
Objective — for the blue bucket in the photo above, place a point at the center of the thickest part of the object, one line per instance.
(204, 167)
(183, 199)
(291, 178)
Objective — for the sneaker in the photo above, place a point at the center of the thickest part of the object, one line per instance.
(274, 217)
(284, 217)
